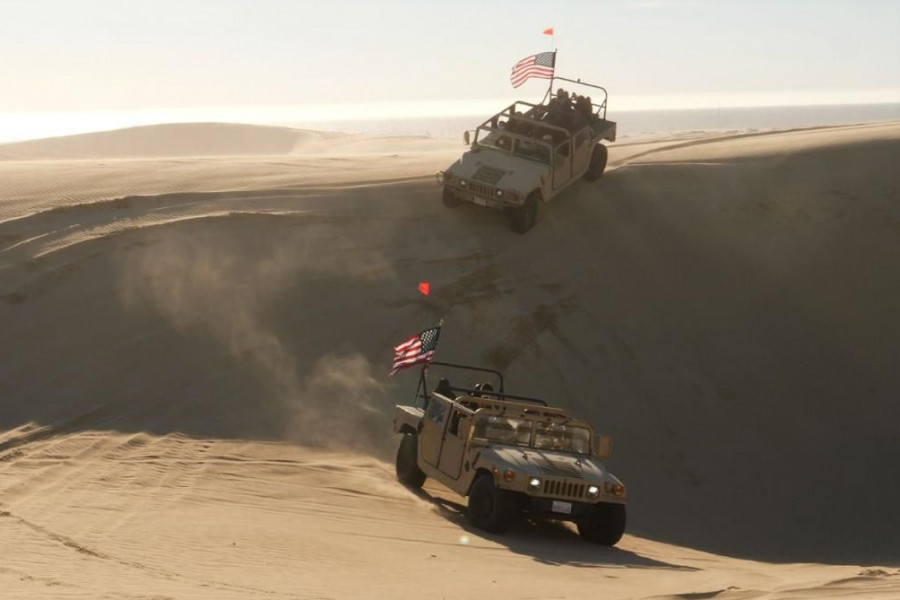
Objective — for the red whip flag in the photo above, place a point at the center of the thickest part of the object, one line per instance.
(424, 287)
(548, 31)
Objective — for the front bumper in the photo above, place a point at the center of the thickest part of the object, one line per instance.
(548, 508)
(482, 195)
(478, 193)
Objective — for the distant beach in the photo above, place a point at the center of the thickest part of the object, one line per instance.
(633, 124)
(644, 123)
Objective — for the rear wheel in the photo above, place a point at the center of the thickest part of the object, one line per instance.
(598, 163)
(450, 199)
(408, 471)
(522, 218)
(605, 525)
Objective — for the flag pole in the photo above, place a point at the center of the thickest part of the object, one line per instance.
(551, 31)
(552, 77)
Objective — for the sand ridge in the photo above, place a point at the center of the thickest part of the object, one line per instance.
(194, 401)
(208, 140)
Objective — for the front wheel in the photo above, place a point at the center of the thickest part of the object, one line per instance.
(408, 471)
(598, 163)
(522, 218)
(490, 508)
(605, 525)
(450, 199)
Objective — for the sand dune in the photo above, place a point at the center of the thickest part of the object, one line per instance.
(207, 139)
(193, 399)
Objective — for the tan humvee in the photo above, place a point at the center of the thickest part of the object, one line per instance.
(510, 455)
(529, 153)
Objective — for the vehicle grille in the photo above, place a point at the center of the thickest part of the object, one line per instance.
(485, 191)
(488, 174)
(563, 489)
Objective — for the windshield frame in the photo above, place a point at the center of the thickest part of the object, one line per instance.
(566, 427)
(515, 140)
(533, 433)
(481, 420)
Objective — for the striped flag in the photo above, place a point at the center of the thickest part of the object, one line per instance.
(416, 350)
(537, 65)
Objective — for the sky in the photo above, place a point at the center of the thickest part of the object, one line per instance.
(340, 59)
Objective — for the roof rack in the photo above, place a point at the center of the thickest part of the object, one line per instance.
(601, 106)
(422, 389)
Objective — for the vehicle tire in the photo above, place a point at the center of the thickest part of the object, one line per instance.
(450, 199)
(598, 163)
(522, 218)
(490, 508)
(605, 525)
(408, 471)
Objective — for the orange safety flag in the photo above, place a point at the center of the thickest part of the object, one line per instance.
(548, 31)
(424, 287)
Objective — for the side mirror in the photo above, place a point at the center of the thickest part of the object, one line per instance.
(467, 138)
(602, 446)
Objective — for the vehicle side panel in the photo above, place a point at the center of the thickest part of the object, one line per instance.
(454, 445)
(582, 147)
(452, 455)
(433, 426)
(562, 164)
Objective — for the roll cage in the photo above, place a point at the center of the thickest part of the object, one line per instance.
(500, 395)
(520, 128)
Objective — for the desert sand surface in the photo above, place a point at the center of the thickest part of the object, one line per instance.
(194, 347)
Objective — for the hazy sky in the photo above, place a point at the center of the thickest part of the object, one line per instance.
(113, 55)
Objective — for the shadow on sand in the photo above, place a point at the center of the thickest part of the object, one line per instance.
(548, 542)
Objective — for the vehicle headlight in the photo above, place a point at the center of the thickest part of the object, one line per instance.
(593, 491)
(499, 193)
(463, 183)
(616, 489)
(534, 483)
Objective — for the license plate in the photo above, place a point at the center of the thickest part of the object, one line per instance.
(479, 201)
(562, 507)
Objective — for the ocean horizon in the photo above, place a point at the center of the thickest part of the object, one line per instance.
(632, 124)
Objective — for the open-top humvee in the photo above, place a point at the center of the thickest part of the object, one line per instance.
(510, 455)
(528, 153)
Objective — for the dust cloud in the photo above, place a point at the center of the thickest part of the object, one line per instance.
(232, 290)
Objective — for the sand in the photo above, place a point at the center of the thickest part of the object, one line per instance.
(193, 358)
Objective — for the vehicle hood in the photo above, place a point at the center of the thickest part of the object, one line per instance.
(500, 170)
(543, 463)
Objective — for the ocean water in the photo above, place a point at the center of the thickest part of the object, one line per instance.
(643, 123)
(632, 124)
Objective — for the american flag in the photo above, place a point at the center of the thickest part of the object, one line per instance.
(537, 65)
(417, 350)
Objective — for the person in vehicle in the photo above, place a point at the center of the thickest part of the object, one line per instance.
(445, 389)
(482, 388)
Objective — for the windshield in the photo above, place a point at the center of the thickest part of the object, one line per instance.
(547, 436)
(504, 430)
(523, 146)
(565, 438)
(493, 138)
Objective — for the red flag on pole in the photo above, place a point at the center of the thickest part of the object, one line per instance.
(424, 287)
(548, 31)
